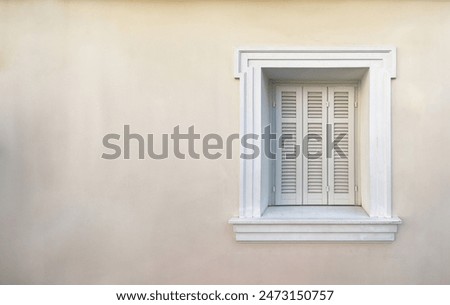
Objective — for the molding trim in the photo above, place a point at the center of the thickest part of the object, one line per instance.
(343, 230)
(386, 54)
(308, 223)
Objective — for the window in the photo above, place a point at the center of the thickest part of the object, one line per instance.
(321, 118)
(327, 95)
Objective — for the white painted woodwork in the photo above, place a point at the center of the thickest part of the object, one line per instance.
(341, 170)
(314, 127)
(288, 167)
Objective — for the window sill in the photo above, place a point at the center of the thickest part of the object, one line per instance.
(315, 224)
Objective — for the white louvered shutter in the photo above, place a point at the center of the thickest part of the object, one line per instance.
(341, 169)
(289, 168)
(314, 125)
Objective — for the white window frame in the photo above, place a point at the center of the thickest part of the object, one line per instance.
(373, 221)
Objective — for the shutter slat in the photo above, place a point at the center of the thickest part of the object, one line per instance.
(341, 168)
(314, 123)
(287, 181)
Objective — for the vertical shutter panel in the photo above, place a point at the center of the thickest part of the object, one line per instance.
(341, 166)
(314, 133)
(289, 168)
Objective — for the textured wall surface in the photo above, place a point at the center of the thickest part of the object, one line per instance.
(73, 71)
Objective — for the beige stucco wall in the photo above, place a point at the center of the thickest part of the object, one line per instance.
(73, 71)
